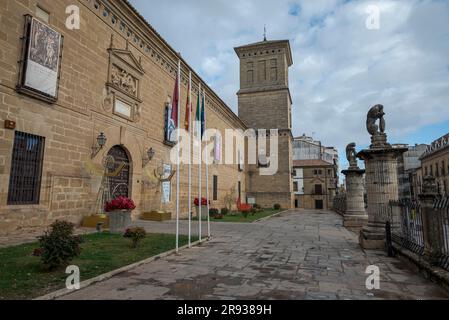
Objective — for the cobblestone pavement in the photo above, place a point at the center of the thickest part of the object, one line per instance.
(299, 255)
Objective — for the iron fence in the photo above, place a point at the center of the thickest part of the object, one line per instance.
(420, 229)
(441, 228)
(406, 225)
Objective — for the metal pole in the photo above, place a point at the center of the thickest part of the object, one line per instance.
(178, 164)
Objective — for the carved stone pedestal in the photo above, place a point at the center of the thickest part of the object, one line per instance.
(382, 186)
(355, 217)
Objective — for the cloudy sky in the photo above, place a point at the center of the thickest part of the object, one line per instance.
(341, 67)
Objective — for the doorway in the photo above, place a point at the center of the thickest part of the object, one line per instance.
(120, 183)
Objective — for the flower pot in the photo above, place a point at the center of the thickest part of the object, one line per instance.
(203, 212)
(119, 221)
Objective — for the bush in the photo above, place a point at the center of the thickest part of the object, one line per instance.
(277, 206)
(257, 207)
(224, 211)
(219, 216)
(58, 246)
(245, 214)
(213, 212)
(136, 235)
(253, 211)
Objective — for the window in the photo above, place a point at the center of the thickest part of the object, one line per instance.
(273, 70)
(425, 171)
(42, 14)
(250, 72)
(240, 190)
(262, 71)
(443, 168)
(215, 186)
(318, 189)
(295, 186)
(26, 169)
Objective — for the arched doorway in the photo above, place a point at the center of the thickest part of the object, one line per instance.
(120, 185)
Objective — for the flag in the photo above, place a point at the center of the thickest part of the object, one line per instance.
(198, 116)
(188, 110)
(173, 114)
(203, 116)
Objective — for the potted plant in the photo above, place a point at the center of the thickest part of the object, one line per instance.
(119, 211)
(203, 205)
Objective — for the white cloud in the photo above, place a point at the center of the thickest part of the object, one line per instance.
(340, 67)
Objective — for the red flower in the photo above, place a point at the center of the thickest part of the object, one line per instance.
(120, 203)
(203, 202)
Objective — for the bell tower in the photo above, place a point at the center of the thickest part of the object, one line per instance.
(265, 102)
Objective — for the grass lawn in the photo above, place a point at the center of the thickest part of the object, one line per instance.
(22, 275)
(238, 217)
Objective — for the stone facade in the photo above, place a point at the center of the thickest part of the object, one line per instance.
(265, 103)
(314, 184)
(85, 107)
(435, 163)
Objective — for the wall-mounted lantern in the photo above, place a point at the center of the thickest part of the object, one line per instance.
(149, 157)
(101, 142)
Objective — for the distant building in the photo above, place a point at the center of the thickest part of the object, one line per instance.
(314, 184)
(315, 173)
(408, 164)
(435, 163)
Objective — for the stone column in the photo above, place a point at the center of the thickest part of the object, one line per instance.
(433, 226)
(381, 164)
(355, 217)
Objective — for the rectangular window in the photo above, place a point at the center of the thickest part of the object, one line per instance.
(318, 189)
(250, 72)
(215, 186)
(43, 14)
(443, 168)
(262, 71)
(240, 190)
(295, 186)
(273, 70)
(26, 169)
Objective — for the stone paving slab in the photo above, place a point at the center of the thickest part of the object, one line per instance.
(299, 255)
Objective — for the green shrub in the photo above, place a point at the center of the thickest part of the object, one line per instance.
(253, 211)
(213, 212)
(277, 206)
(245, 214)
(58, 246)
(224, 211)
(256, 206)
(136, 235)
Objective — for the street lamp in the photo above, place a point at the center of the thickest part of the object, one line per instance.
(101, 142)
(150, 155)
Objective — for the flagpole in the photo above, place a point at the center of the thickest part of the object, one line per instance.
(207, 172)
(200, 161)
(178, 164)
(190, 158)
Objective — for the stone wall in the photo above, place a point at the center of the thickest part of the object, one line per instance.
(71, 179)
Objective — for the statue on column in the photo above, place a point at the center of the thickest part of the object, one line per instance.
(351, 155)
(377, 131)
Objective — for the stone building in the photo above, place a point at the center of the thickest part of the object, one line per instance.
(435, 163)
(408, 163)
(265, 103)
(314, 184)
(109, 82)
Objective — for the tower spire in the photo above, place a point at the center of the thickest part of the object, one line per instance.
(265, 32)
